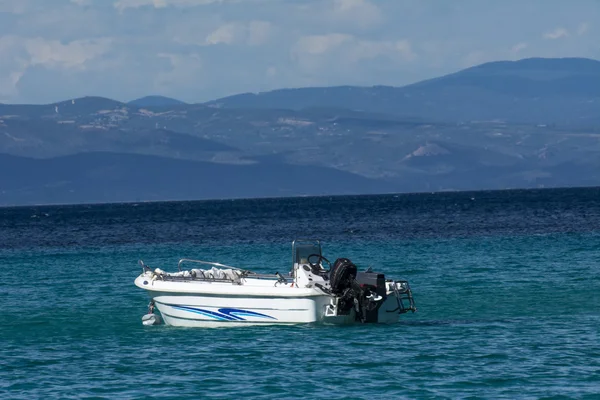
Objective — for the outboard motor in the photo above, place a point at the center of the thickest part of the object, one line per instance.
(372, 285)
(341, 276)
(365, 293)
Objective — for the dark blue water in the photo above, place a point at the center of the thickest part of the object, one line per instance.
(507, 285)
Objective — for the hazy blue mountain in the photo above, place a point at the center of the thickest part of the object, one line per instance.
(530, 123)
(67, 108)
(44, 138)
(111, 177)
(542, 91)
(155, 101)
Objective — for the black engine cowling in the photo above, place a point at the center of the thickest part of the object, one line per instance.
(357, 293)
(342, 275)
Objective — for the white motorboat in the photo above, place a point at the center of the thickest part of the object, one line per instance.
(223, 295)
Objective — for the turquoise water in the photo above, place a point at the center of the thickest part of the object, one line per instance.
(507, 286)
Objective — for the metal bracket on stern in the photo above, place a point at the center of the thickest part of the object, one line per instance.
(403, 294)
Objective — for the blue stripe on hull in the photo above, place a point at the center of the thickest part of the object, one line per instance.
(224, 314)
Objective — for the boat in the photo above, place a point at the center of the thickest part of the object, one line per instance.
(314, 291)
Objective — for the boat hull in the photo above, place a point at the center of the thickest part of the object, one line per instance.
(213, 310)
(202, 304)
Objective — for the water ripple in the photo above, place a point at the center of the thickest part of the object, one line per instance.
(507, 286)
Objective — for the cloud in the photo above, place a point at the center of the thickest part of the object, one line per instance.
(124, 4)
(50, 49)
(338, 58)
(583, 28)
(352, 48)
(399, 50)
(518, 47)
(474, 58)
(253, 33)
(556, 34)
(259, 32)
(360, 12)
(271, 71)
(8, 84)
(224, 34)
(11, 69)
(14, 7)
(10, 75)
(319, 44)
(183, 68)
(403, 47)
(19, 54)
(75, 54)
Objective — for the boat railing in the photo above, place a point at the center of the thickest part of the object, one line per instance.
(214, 264)
(245, 272)
(192, 274)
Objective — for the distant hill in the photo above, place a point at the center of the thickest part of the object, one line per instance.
(541, 91)
(67, 108)
(528, 123)
(46, 138)
(111, 177)
(155, 101)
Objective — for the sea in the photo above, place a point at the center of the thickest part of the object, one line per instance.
(507, 286)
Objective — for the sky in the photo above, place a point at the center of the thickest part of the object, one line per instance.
(199, 50)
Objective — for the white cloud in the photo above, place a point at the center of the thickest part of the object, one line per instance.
(10, 75)
(319, 44)
(338, 58)
(14, 7)
(124, 4)
(556, 34)
(75, 54)
(285, 43)
(351, 48)
(18, 54)
(271, 71)
(360, 12)
(184, 68)
(13, 64)
(474, 58)
(400, 50)
(178, 60)
(583, 28)
(403, 47)
(259, 32)
(8, 85)
(518, 47)
(253, 33)
(225, 34)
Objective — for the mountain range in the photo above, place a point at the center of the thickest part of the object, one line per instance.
(536, 90)
(509, 124)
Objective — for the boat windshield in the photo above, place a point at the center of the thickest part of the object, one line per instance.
(301, 249)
